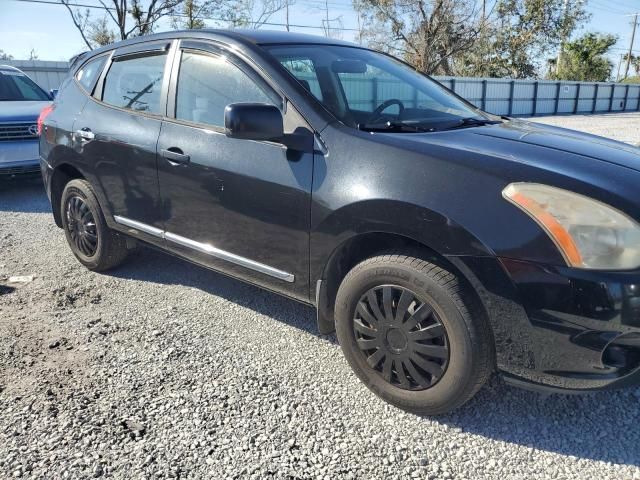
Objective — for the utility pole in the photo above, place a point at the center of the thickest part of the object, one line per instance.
(565, 7)
(326, 7)
(619, 65)
(287, 14)
(633, 36)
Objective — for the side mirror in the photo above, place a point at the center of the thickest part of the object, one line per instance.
(253, 121)
(53, 93)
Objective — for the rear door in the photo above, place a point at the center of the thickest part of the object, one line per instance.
(240, 206)
(117, 134)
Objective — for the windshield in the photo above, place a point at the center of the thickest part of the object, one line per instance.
(369, 90)
(16, 86)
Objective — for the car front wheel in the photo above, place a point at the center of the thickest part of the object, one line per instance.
(410, 336)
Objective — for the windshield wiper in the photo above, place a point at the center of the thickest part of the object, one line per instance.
(472, 122)
(392, 127)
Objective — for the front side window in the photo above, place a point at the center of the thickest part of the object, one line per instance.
(363, 88)
(88, 74)
(305, 72)
(16, 86)
(208, 83)
(135, 83)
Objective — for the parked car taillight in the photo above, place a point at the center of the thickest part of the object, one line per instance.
(43, 115)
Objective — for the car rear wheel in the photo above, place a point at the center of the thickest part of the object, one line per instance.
(411, 334)
(93, 243)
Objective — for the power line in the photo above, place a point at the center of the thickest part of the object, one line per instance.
(607, 8)
(217, 19)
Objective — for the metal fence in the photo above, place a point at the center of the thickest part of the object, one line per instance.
(544, 97)
(495, 95)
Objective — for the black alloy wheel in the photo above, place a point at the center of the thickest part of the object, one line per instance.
(92, 242)
(81, 226)
(413, 332)
(401, 337)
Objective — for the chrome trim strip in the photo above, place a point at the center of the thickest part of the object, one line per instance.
(143, 227)
(206, 248)
(229, 257)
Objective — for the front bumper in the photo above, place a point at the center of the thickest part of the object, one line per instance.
(561, 328)
(19, 157)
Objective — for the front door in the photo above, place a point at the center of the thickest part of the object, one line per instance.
(239, 206)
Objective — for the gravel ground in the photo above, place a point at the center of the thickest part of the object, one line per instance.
(161, 369)
(624, 127)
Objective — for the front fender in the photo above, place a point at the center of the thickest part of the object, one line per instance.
(427, 227)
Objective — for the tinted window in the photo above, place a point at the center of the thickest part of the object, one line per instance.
(16, 86)
(89, 73)
(135, 83)
(207, 84)
(305, 72)
(363, 87)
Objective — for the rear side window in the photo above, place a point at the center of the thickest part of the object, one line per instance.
(134, 83)
(207, 84)
(88, 74)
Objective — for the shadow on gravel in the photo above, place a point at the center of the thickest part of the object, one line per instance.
(23, 194)
(599, 426)
(154, 266)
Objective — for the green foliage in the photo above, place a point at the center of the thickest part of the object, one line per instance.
(99, 33)
(518, 35)
(634, 63)
(505, 38)
(584, 59)
(193, 14)
(635, 79)
(428, 34)
(5, 56)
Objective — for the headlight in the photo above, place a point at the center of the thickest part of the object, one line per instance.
(589, 233)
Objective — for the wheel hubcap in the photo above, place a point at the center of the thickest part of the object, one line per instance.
(81, 226)
(396, 340)
(401, 337)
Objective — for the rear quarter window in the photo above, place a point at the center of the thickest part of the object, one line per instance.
(89, 73)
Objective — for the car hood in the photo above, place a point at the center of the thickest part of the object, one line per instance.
(503, 140)
(23, 111)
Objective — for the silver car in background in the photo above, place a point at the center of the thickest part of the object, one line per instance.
(21, 101)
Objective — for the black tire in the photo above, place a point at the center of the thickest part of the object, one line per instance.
(100, 247)
(463, 333)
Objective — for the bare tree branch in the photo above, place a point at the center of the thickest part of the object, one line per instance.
(78, 22)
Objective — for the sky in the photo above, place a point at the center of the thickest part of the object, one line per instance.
(48, 30)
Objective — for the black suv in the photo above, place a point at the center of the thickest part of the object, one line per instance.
(441, 242)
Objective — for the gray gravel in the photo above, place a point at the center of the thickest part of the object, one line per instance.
(624, 127)
(161, 369)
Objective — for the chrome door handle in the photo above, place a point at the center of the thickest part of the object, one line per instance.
(175, 155)
(85, 134)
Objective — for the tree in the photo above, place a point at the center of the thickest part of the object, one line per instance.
(5, 56)
(192, 14)
(429, 34)
(635, 61)
(518, 34)
(257, 13)
(123, 19)
(100, 34)
(584, 59)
